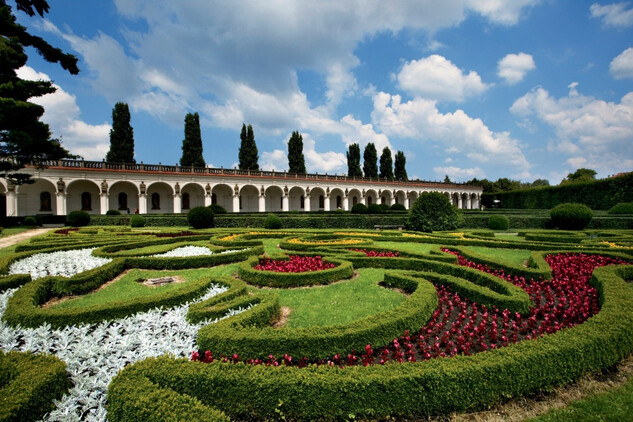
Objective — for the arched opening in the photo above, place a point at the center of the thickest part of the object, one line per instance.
(317, 199)
(223, 195)
(296, 199)
(195, 192)
(274, 199)
(160, 198)
(249, 199)
(123, 196)
(38, 197)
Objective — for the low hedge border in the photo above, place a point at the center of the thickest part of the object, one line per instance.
(217, 306)
(410, 390)
(122, 249)
(296, 243)
(13, 281)
(342, 270)
(536, 269)
(29, 384)
(254, 338)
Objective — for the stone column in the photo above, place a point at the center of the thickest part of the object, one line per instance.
(326, 203)
(142, 203)
(104, 203)
(177, 204)
(236, 203)
(208, 200)
(262, 203)
(60, 203)
(12, 200)
(306, 203)
(285, 203)
(459, 201)
(346, 202)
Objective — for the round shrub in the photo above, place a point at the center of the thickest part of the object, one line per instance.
(622, 208)
(374, 209)
(113, 212)
(398, 207)
(77, 219)
(29, 221)
(217, 209)
(359, 209)
(571, 216)
(272, 222)
(137, 221)
(432, 211)
(498, 222)
(384, 207)
(200, 217)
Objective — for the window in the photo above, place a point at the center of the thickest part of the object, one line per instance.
(302, 202)
(240, 201)
(321, 201)
(185, 201)
(383, 200)
(369, 200)
(155, 201)
(354, 201)
(338, 202)
(214, 199)
(123, 201)
(45, 201)
(86, 201)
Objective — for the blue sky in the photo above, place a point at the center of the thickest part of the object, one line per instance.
(523, 89)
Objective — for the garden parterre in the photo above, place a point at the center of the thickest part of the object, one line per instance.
(322, 384)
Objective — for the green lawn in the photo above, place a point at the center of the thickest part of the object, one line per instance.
(406, 246)
(8, 231)
(340, 302)
(512, 256)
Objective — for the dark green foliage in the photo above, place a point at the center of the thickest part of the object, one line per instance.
(296, 160)
(272, 222)
(353, 161)
(78, 218)
(200, 217)
(374, 209)
(498, 222)
(248, 155)
(113, 212)
(571, 216)
(398, 207)
(447, 179)
(432, 211)
(370, 158)
(137, 221)
(359, 209)
(622, 208)
(24, 139)
(29, 221)
(121, 136)
(399, 167)
(217, 209)
(580, 175)
(192, 144)
(386, 164)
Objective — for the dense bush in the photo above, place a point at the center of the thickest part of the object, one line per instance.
(375, 209)
(571, 216)
(78, 219)
(200, 217)
(622, 208)
(359, 209)
(29, 221)
(498, 222)
(137, 221)
(113, 212)
(398, 207)
(384, 207)
(217, 209)
(272, 222)
(432, 211)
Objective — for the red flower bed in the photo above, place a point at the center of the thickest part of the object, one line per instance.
(376, 253)
(296, 264)
(66, 231)
(461, 326)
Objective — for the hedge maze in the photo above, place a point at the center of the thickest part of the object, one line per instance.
(473, 328)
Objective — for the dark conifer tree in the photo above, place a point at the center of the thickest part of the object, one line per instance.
(192, 144)
(370, 159)
(353, 161)
(121, 136)
(23, 138)
(247, 155)
(296, 160)
(386, 164)
(399, 167)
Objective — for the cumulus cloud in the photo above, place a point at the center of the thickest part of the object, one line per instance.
(513, 67)
(63, 117)
(614, 14)
(319, 162)
(458, 174)
(621, 67)
(437, 78)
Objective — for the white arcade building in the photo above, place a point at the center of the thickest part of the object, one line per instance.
(96, 187)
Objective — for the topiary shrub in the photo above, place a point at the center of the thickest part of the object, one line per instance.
(272, 222)
(384, 207)
(359, 209)
(113, 212)
(200, 217)
(29, 221)
(498, 222)
(622, 208)
(217, 209)
(398, 207)
(432, 211)
(571, 216)
(137, 221)
(374, 209)
(77, 219)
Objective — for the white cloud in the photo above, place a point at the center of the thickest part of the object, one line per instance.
(622, 66)
(436, 78)
(320, 162)
(62, 115)
(615, 14)
(505, 12)
(275, 160)
(513, 67)
(457, 174)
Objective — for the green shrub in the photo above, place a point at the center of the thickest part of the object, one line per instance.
(432, 211)
(384, 207)
(359, 209)
(137, 221)
(78, 218)
(200, 217)
(571, 216)
(29, 221)
(622, 208)
(113, 212)
(398, 207)
(374, 209)
(217, 209)
(498, 222)
(272, 222)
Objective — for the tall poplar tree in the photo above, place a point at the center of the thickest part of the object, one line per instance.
(399, 169)
(23, 138)
(121, 136)
(353, 161)
(370, 158)
(192, 144)
(386, 164)
(296, 160)
(247, 155)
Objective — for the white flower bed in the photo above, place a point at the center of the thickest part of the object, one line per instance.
(62, 263)
(185, 251)
(95, 353)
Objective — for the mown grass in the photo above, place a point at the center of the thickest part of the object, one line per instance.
(511, 256)
(341, 302)
(406, 246)
(8, 231)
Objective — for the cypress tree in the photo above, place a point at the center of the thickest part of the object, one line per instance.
(248, 150)
(121, 136)
(192, 144)
(399, 170)
(370, 158)
(386, 164)
(296, 160)
(353, 161)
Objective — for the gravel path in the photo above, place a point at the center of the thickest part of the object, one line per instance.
(18, 237)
